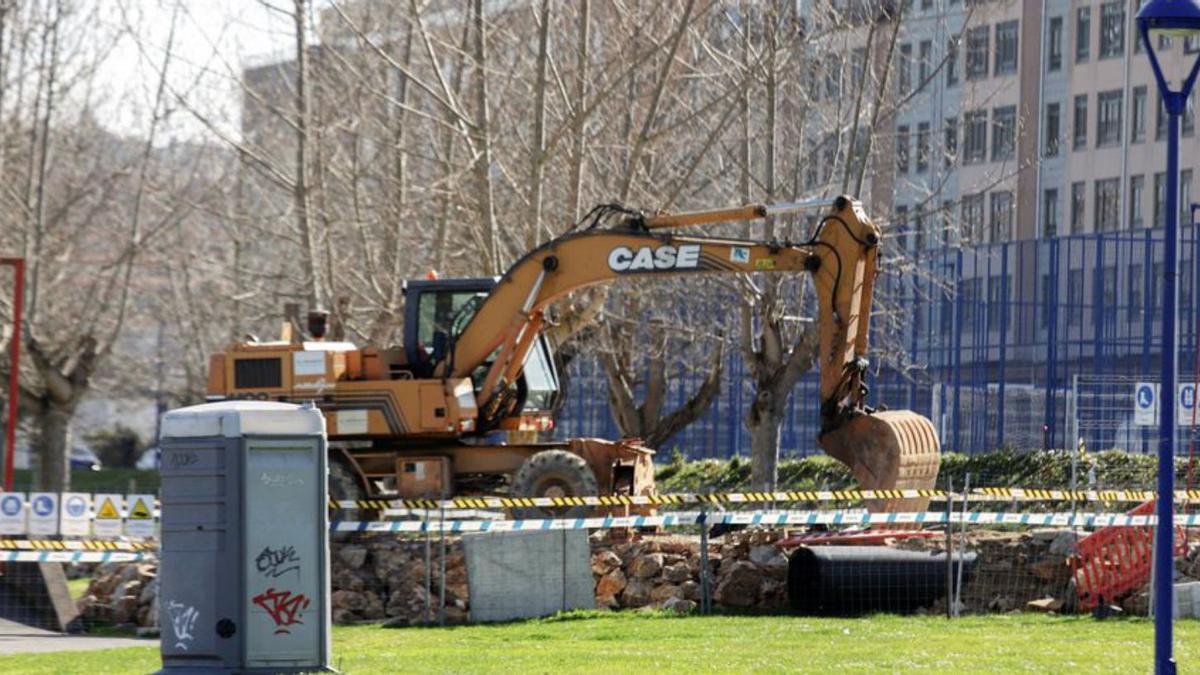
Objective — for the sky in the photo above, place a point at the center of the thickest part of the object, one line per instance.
(213, 40)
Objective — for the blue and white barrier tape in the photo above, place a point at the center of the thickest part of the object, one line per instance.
(855, 517)
(74, 556)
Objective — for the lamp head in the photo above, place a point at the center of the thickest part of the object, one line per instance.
(1176, 18)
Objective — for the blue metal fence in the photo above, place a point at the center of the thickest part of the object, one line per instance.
(1001, 343)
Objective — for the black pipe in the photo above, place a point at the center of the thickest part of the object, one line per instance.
(849, 580)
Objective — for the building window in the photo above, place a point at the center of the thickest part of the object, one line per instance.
(1054, 44)
(1160, 118)
(1074, 297)
(902, 224)
(1083, 34)
(1078, 206)
(902, 149)
(1137, 186)
(951, 63)
(977, 52)
(904, 70)
(1189, 117)
(1112, 29)
(950, 141)
(1185, 196)
(995, 301)
(1006, 48)
(1108, 196)
(972, 217)
(1137, 116)
(1001, 216)
(858, 68)
(1053, 129)
(919, 231)
(1050, 213)
(924, 62)
(1160, 198)
(1108, 118)
(975, 137)
(1137, 292)
(812, 79)
(1079, 123)
(833, 76)
(922, 147)
(1191, 45)
(1004, 133)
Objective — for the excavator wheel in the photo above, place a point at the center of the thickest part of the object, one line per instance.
(891, 450)
(554, 473)
(344, 486)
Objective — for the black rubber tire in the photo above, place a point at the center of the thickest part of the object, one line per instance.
(344, 486)
(550, 469)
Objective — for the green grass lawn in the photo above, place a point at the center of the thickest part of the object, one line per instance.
(629, 642)
(104, 480)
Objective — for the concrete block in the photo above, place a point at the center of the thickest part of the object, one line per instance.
(520, 575)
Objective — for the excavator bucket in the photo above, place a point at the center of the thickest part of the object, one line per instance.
(891, 450)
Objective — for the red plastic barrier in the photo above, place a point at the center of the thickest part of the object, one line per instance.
(1115, 561)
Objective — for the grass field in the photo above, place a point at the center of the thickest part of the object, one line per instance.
(629, 642)
(105, 480)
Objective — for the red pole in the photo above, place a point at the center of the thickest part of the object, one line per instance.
(10, 430)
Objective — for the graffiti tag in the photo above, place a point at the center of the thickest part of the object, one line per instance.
(183, 621)
(280, 479)
(283, 608)
(178, 460)
(275, 562)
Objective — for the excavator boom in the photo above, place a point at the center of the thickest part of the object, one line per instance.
(884, 450)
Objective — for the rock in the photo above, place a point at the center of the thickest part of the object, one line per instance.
(768, 556)
(645, 566)
(149, 592)
(672, 559)
(677, 573)
(604, 562)
(679, 605)
(1045, 605)
(662, 592)
(147, 631)
(1064, 543)
(1051, 570)
(611, 584)
(344, 579)
(352, 556)
(636, 593)
(740, 586)
(690, 590)
(342, 616)
(124, 609)
(1001, 603)
(349, 600)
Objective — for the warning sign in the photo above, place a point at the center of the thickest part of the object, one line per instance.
(76, 514)
(140, 520)
(12, 513)
(43, 513)
(108, 516)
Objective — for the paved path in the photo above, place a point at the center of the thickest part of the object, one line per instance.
(16, 638)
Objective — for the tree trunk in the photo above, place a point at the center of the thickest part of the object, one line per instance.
(53, 422)
(764, 426)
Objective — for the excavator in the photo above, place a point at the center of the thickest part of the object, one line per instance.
(456, 409)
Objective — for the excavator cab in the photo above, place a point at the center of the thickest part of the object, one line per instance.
(437, 310)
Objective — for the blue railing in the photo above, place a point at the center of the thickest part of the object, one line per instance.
(990, 342)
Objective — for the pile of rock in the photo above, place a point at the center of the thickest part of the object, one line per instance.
(122, 594)
(379, 578)
(746, 572)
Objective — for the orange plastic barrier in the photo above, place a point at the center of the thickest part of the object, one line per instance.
(1114, 561)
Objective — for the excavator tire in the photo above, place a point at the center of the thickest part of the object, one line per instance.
(554, 473)
(891, 450)
(345, 486)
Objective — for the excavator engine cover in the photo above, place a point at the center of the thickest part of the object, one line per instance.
(891, 450)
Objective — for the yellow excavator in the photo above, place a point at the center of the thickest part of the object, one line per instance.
(456, 408)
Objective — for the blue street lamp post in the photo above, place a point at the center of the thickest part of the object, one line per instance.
(1178, 18)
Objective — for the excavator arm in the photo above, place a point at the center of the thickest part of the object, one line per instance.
(885, 450)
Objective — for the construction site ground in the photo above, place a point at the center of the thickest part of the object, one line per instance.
(651, 641)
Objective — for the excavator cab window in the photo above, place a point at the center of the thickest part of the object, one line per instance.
(438, 306)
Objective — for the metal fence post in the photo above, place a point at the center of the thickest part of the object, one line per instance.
(705, 604)
(949, 549)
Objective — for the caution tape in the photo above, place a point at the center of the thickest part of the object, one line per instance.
(74, 545)
(799, 518)
(73, 556)
(983, 494)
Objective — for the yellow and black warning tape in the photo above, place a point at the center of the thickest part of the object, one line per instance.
(982, 494)
(74, 545)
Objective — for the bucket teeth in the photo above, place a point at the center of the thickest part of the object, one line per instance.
(891, 450)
